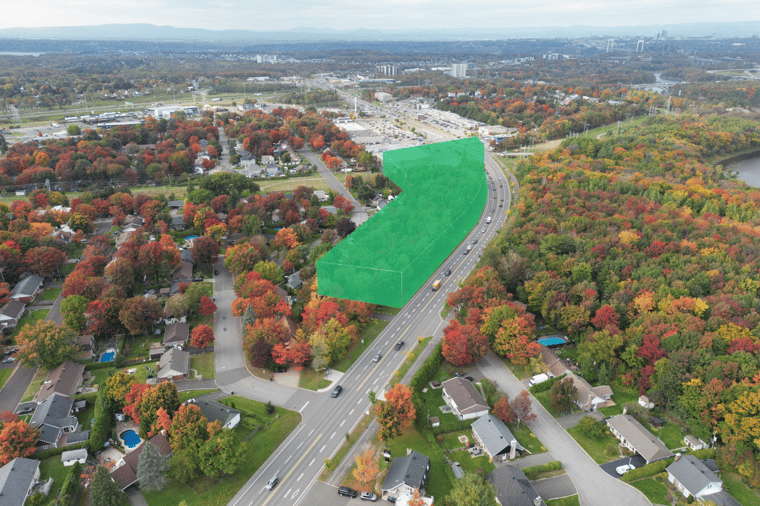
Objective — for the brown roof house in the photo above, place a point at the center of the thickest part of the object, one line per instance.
(636, 438)
(64, 379)
(183, 272)
(464, 399)
(86, 345)
(174, 365)
(125, 471)
(176, 333)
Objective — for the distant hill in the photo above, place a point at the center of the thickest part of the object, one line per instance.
(170, 33)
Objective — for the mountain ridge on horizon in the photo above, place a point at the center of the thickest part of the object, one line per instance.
(147, 31)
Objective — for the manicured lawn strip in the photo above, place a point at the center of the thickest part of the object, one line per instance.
(139, 346)
(4, 375)
(141, 373)
(411, 356)
(739, 491)
(545, 399)
(368, 334)
(526, 438)
(439, 484)
(534, 472)
(30, 318)
(624, 395)
(67, 269)
(192, 394)
(450, 440)
(86, 416)
(308, 379)
(565, 501)
(596, 448)
(472, 465)
(653, 489)
(51, 293)
(35, 385)
(53, 467)
(219, 491)
(670, 434)
(347, 444)
(519, 371)
(204, 364)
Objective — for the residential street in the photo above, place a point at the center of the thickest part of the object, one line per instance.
(595, 487)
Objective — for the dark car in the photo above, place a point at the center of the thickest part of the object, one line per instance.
(399, 345)
(197, 280)
(475, 241)
(216, 272)
(501, 205)
(347, 492)
(469, 378)
(448, 272)
(336, 391)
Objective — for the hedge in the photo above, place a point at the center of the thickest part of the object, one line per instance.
(532, 472)
(428, 369)
(98, 365)
(451, 426)
(544, 386)
(440, 456)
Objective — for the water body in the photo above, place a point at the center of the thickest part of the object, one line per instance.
(749, 170)
(15, 53)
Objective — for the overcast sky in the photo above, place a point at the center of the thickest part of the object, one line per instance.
(383, 14)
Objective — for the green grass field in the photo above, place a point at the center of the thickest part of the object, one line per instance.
(601, 450)
(51, 294)
(4, 375)
(565, 501)
(308, 379)
(739, 491)
(478, 464)
(52, 467)
(207, 491)
(204, 364)
(367, 335)
(653, 489)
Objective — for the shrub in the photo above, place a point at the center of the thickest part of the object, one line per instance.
(532, 472)
(270, 408)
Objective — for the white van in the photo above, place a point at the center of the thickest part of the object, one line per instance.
(488, 220)
(538, 378)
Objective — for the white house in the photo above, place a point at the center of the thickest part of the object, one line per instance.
(464, 399)
(692, 477)
(694, 442)
(71, 456)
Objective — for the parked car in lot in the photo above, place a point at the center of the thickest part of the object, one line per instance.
(272, 483)
(336, 391)
(399, 345)
(368, 496)
(621, 470)
(347, 492)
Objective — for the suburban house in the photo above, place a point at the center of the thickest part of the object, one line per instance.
(589, 398)
(71, 456)
(183, 272)
(216, 411)
(291, 327)
(174, 365)
(692, 478)
(27, 289)
(406, 475)
(64, 379)
(176, 333)
(513, 488)
(464, 399)
(321, 195)
(125, 472)
(53, 417)
(178, 223)
(636, 438)
(11, 314)
(694, 442)
(176, 204)
(294, 281)
(17, 480)
(495, 438)
(86, 345)
(155, 351)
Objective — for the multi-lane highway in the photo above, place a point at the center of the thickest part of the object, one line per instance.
(300, 459)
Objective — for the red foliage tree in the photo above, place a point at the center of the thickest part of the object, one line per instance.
(503, 411)
(17, 439)
(522, 407)
(207, 306)
(202, 336)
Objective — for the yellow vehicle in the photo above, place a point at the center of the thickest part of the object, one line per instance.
(436, 284)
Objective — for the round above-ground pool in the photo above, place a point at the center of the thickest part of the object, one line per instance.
(552, 340)
(107, 356)
(130, 438)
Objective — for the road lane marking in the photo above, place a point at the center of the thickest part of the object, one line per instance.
(333, 435)
(322, 449)
(304, 406)
(351, 412)
(341, 424)
(299, 478)
(294, 466)
(299, 446)
(312, 461)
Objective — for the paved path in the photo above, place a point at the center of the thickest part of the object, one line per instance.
(570, 421)
(532, 460)
(595, 487)
(554, 488)
(290, 377)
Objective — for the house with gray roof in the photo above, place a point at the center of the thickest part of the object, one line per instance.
(494, 436)
(176, 204)
(11, 314)
(174, 365)
(176, 333)
(53, 418)
(27, 289)
(637, 438)
(183, 273)
(513, 487)
(17, 480)
(406, 475)
(294, 280)
(64, 379)
(464, 399)
(216, 411)
(692, 477)
(71, 456)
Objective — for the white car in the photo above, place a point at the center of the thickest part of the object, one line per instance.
(621, 470)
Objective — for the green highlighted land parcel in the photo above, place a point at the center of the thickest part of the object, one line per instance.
(388, 258)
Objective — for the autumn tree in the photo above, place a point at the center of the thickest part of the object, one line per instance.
(17, 439)
(44, 260)
(462, 344)
(46, 345)
(118, 386)
(503, 411)
(103, 316)
(207, 306)
(522, 407)
(139, 313)
(202, 336)
(177, 305)
(591, 427)
(286, 238)
(344, 227)
(396, 412)
(563, 394)
(366, 468)
(205, 250)
(221, 453)
(73, 309)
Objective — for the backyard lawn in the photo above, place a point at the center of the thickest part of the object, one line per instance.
(207, 491)
(739, 491)
(653, 489)
(53, 467)
(51, 294)
(670, 434)
(603, 449)
(141, 371)
(472, 464)
(204, 364)
(368, 334)
(308, 379)
(438, 483)
(526, 438)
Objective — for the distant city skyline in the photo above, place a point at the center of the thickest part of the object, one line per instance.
(383, 14)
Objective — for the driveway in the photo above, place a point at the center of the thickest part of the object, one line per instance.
(594, 486)
(609, 467)
(570, 421)
(554, 488)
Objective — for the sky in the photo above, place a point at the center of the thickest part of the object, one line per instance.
(377, 14)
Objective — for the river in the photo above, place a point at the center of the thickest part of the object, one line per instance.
(749, 170)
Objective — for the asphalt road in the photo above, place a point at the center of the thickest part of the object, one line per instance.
(299, 460)
(595, 487)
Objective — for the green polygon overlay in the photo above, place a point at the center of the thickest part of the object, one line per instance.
(388, 258)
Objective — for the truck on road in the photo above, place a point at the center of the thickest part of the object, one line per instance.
(436, 284)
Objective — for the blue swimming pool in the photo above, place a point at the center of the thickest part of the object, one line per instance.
(552, 340)
(130, 438)
(190, 238)
(107, 356)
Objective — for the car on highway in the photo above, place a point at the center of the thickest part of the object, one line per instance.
(448, 272)
(399, 345)
(501, 205)
(336, 391)
(368, 496)
(621, 470)
(377, 358)
(475, 241)
(272, 483)
(483, 230)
